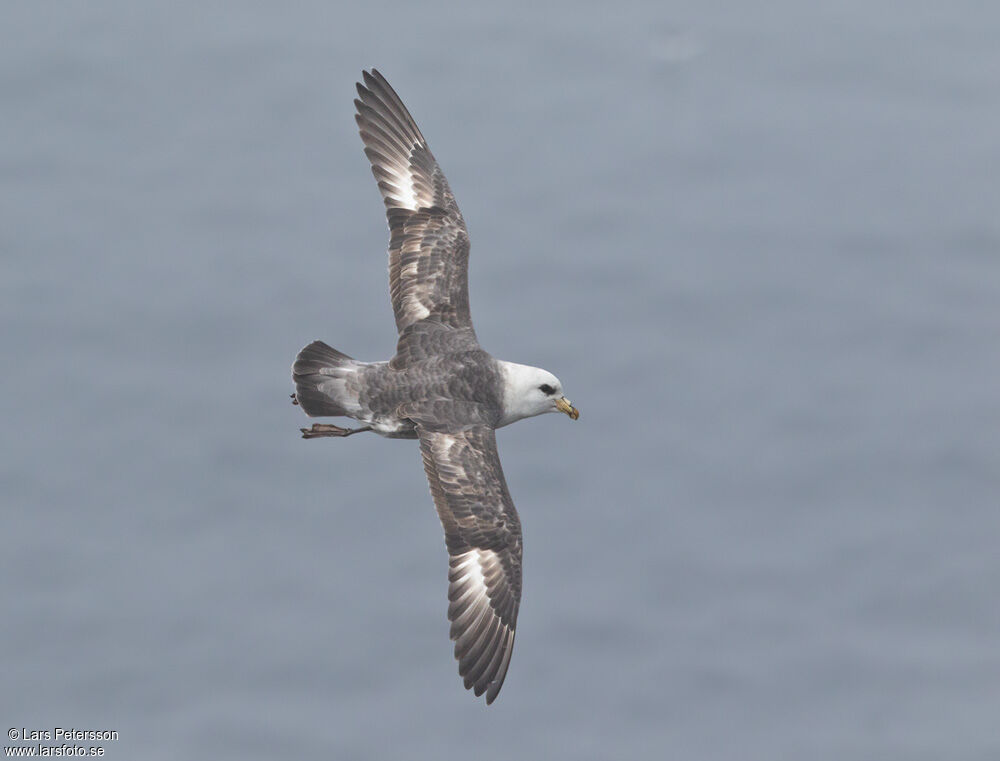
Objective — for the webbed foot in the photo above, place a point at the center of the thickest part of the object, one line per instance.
(320, 430)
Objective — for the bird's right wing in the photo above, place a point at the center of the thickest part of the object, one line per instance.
(483, 535)
(428, 241)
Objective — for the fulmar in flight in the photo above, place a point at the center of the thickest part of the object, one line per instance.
(441, 388)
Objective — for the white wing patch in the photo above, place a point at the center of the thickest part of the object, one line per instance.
(399, 186)
(416, 310)
(447, 444)
(412, 288)
(468, 576)
(470, 600)
(483, 642)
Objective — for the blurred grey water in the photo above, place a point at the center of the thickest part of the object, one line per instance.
(760, 247)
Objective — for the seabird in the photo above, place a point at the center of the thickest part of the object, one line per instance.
(441, 387)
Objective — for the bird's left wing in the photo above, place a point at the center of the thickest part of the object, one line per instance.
(483, 535)
(428, 240)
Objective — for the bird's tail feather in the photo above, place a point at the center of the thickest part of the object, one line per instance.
(326, 381)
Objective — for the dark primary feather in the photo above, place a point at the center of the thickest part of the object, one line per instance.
(483, 535)
(428, 240)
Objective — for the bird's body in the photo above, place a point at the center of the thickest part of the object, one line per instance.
(372, 392)
(441, 387)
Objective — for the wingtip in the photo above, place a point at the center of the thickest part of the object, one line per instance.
(371, 77)
(369, 81)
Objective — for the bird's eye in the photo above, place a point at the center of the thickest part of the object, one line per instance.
(546, 389)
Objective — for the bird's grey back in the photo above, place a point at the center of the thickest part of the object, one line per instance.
(468, 375)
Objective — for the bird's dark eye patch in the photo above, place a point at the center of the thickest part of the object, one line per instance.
(545, 388)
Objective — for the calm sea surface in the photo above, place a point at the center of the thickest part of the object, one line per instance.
(759, 246)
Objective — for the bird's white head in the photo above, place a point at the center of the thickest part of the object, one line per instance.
(530, 391)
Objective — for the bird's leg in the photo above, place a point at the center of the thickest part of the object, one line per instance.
(319, 430)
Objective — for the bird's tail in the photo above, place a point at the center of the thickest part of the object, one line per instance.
(327, 382)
